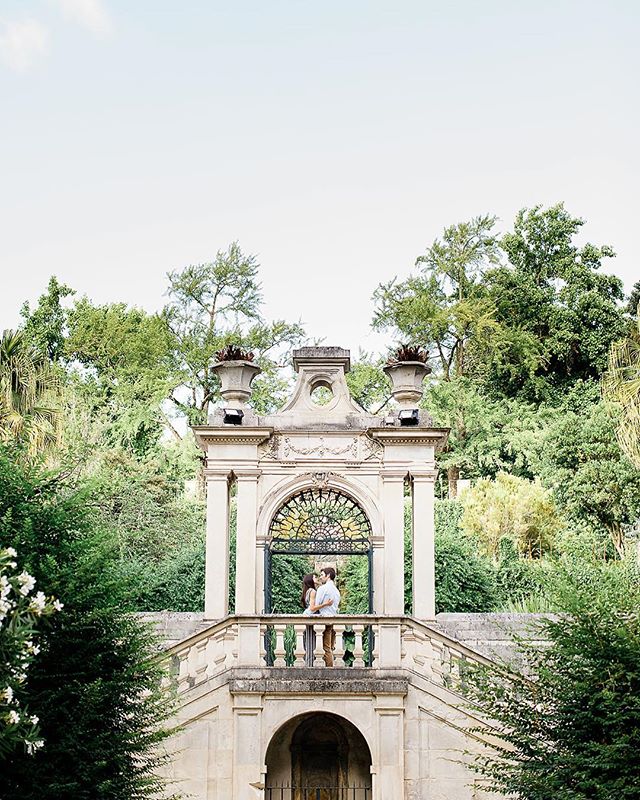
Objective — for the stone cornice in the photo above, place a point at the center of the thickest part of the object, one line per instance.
(411, 436)
(230, 434)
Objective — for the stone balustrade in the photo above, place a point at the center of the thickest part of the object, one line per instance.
(294, 641)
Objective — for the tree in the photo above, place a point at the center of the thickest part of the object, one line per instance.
(567, 723)
(592, 481)
(487, 434)
(509, 506)
(553, 294)
(46, 326)
(215, 304)
(96, 684)
(21, 613)
(368, 384)
(129, 368)
(621, 385)
(27, 388)
(445, 306)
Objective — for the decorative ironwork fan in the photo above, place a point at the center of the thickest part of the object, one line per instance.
(320, 521)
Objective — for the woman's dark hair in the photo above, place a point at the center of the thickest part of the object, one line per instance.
(307, 583)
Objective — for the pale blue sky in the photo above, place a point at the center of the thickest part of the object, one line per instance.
(333, 139)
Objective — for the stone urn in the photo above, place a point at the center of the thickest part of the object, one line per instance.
(236, 378)
(406, 381)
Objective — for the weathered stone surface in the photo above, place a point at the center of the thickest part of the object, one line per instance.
(318, 681)
(491, 634)
(174, 626)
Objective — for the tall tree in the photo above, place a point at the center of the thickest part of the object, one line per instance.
(553, 293)
(444, 305)
(593, 482)
(46, 326)
(215, 304)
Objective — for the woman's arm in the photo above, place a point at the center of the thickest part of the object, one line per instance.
(314, 607)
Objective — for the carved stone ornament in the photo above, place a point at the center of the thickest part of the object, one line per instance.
(373, 450)
(321, 479)
(321, 449)
(269, 450)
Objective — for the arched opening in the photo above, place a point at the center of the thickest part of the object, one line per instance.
(320, 524)
(318, 756)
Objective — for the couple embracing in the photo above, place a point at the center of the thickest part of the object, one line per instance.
(320, 597)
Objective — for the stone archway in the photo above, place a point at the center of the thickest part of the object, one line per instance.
(318, 756)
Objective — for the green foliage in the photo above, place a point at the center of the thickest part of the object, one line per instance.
(553, 293)
(591, 479)
(465, 580)
(96, 685)
(522, 583)
(368, 384)
(22, 613)
(445, 306)
(28, 396)
(286, 583)
(512, 507)
(487, 434)
(212, 306)
(621, 385)
(46, 326)
(573, 730)
(354, 585)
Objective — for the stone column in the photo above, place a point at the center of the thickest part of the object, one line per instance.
(247, 500)
(393, 516)
(216, 587)
(424, 577)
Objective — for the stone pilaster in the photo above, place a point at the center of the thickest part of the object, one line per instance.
(388, 772)
(216, 592)
(393, 521)
(247, 505)
(424, 577)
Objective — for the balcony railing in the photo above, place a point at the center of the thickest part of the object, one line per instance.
(296, 642)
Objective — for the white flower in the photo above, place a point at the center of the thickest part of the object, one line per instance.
(7, 694)
(57, 605)
(38, 603)
(31, 747)
(34, 720)
(5, 586)
(27, 582)
(11, 552)
(14, 717)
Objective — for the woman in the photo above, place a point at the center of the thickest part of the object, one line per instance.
(307, 600)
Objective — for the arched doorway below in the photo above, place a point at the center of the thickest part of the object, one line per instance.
(318, 756)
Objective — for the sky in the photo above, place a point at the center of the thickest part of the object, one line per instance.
(333, 140)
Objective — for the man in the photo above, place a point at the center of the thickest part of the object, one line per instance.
(327, 605)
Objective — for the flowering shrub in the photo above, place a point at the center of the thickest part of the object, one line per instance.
(20, 611)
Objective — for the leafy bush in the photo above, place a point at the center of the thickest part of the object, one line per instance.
(573, 731)
(510, 506)
(95, 686)
(465, 580)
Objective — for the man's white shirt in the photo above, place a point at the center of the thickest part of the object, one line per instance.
(328, 591)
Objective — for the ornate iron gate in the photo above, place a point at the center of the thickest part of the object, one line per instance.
(322, 522)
